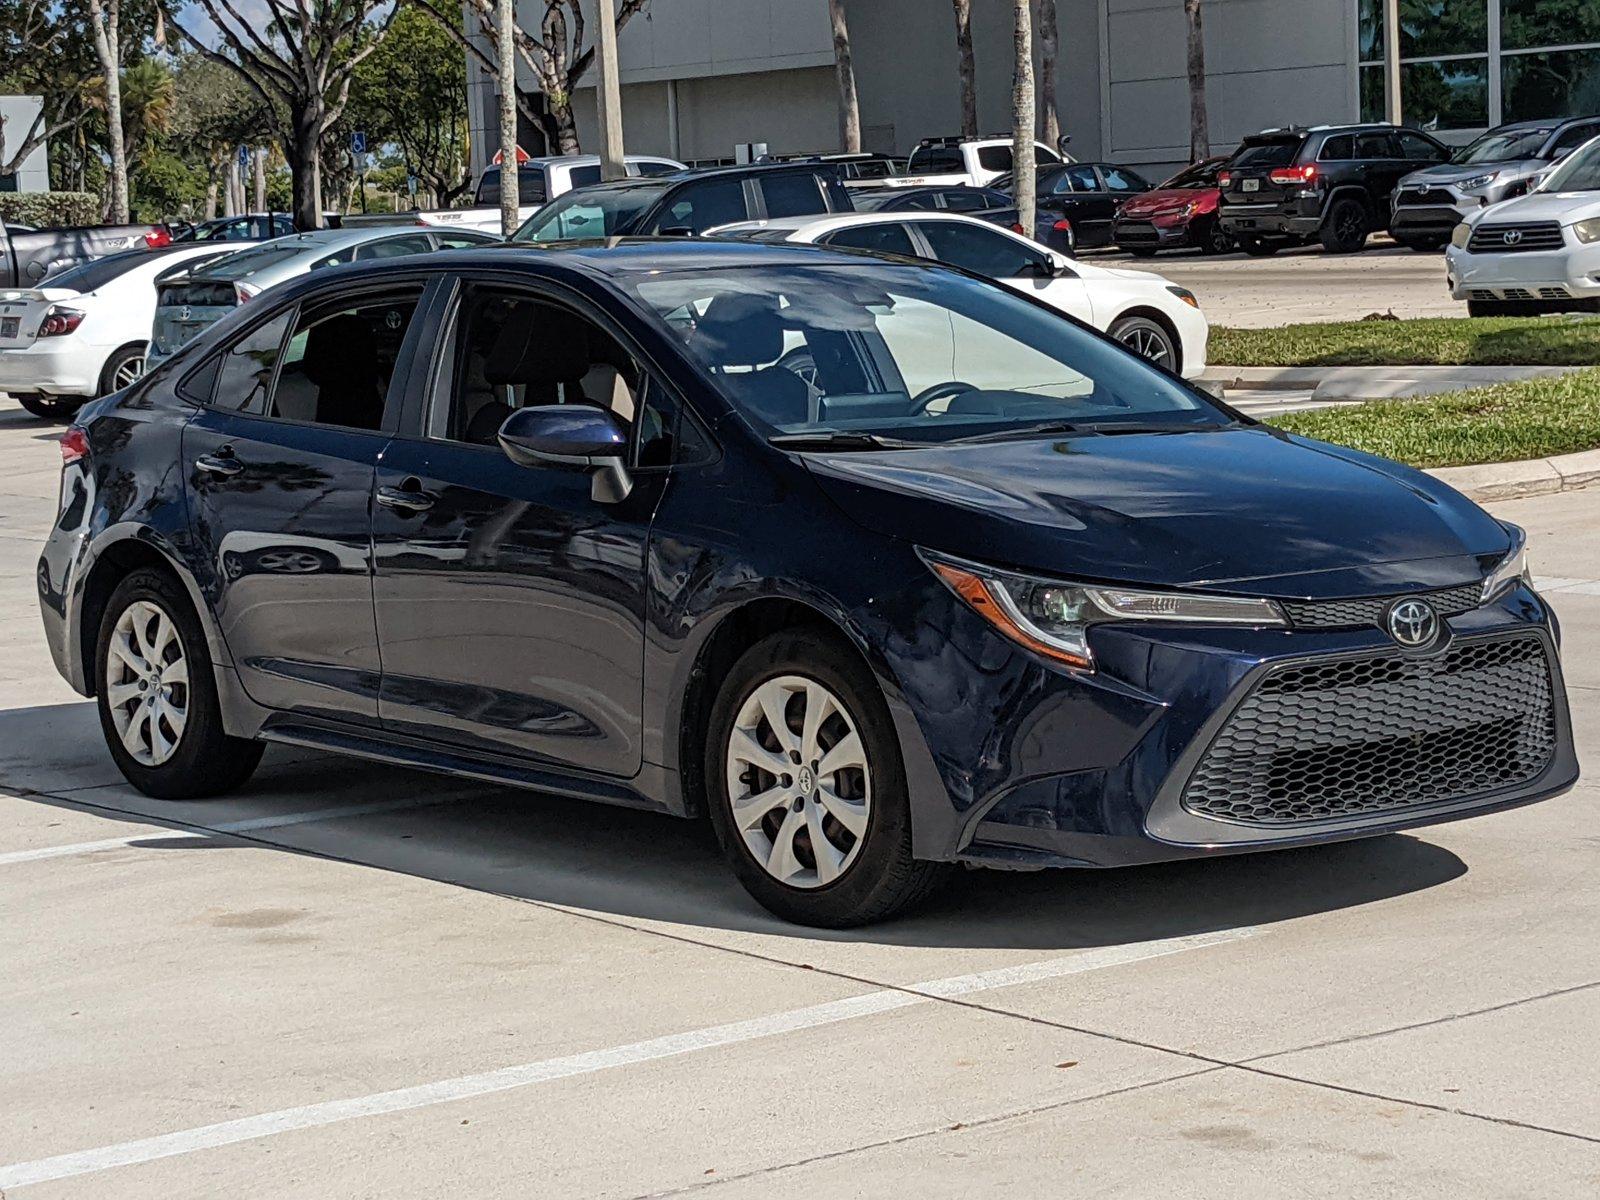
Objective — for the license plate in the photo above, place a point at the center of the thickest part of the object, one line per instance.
(1250, 185)
(10, 326)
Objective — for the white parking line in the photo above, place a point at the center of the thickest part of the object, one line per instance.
(245, 826)
(84, 1162)
(1567, 587)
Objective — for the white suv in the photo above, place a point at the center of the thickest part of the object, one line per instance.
(951, 162)
(1537, 253)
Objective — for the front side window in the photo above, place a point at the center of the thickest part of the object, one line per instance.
(1120, 179)
(981, 251)
(248, 367)
(340, 360)
(1578, 172)
(1418, 148)
(905, 352)
(704, 206)
(591, 213)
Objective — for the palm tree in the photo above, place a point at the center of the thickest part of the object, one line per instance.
(1049, 119)
(149, 99)
(969, 94)
(1199, 126)
(105, 18)
(844, 67)
(1023, 172)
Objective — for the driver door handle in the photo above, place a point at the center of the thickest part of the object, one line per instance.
(222, 463)
(406, 499)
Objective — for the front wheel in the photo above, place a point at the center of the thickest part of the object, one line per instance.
(1146, 338)
(807, 789)
(158, 698)
(1424, 245)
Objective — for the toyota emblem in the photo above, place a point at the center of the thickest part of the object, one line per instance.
(1413, 622)
(1511, 237)
(185, 313)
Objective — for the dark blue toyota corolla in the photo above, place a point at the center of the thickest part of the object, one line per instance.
(879, 566)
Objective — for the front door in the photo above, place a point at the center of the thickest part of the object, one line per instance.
(511, 601)
(279, 470)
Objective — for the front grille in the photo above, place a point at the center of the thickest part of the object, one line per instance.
(1137, 231)
(1491, 237)
(1319, 741)
(1370, 610)
(1429, 196)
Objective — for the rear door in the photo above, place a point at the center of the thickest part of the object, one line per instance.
(279, 468)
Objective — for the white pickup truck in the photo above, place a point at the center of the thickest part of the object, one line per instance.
(952, 162)
(539, 181)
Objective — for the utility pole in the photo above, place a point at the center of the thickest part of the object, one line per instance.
(609, 94)
(1391, 60)
(510, 168)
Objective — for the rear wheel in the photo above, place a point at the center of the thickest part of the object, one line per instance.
(1258, 247)
(1142, 251)
(51, 408)
(122, 369)
(1345, 229)
(807, 788)
(1423, 245)
(158, 698)
(1214, 239)
(1146, 338)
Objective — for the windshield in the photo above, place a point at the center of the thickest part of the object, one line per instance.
(247, 262)
(1578, 173)
(591, 213)
(1267, 154)
(1495, 147)
(912, 353)
(1200, 175)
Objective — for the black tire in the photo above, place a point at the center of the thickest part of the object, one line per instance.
(1148, 339)
(1142, 251)
(1424, 245)
(1258, 247)
(206, 761)
(1346, 227)
(51, 408)
(883, 879)
(1214, 239)
(119, 364)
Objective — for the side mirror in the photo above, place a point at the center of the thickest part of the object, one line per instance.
(580, 437)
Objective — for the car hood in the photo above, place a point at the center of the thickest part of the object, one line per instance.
(1455, 173)
(1244, 510)
(1565, 207)
(1165, 199)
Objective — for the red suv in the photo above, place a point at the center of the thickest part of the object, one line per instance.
(1180, 212)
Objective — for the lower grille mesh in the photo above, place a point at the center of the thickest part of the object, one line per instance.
(1320, 741)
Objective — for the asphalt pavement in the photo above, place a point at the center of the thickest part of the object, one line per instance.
(355, 981)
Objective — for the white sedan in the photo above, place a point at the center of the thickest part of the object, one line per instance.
(1537, 253)
(83, 333)
(1143, 311)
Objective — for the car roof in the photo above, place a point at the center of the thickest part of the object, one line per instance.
(827, 224)
(319, 241)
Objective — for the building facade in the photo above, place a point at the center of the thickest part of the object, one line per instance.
(17, 117)
(703, 76)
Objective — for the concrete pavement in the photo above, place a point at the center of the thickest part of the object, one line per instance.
(353, 981)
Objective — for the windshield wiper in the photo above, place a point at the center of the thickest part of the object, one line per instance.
(1104, 428)
(842, 441)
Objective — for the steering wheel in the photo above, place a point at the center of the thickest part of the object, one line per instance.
(951, 388)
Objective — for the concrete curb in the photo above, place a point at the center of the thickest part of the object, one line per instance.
(1372, 383)
(1531, 477)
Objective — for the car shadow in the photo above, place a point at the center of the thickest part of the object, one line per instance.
(635, 866)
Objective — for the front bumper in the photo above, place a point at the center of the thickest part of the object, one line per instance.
(53, 367)
(1097, 770)
(1424, 220)
(1572, 272)
(1145, 233)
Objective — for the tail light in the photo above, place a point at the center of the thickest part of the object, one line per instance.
(1224, 178)
(1062, 226)
(1302, 175)
(74, 446)
(59, 321)
(243, 292)
(1016, 227)
(158, 237)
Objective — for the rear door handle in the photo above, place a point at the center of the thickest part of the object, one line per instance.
(225, 465)
(406, 499)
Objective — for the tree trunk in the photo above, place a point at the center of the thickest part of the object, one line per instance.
(305, 169)
(966, 69)
(211, 198)
(1199, 126)
(506, 69)
(1049, 118)
(105, 17)
(1023, 172)
(844, 68)
(562, 120)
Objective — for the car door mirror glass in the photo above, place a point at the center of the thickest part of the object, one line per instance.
(582, 437)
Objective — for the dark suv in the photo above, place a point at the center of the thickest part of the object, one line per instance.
(1333, 183)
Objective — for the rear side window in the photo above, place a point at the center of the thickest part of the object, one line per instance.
(1267, 154)
(792, 195)
(248, 367)
(889, 238)
(584, 176)
(703, 206)
(416, 243)
(938, 160)
(1375, 145)
(966, 200)
(994, 158)
(340, 360)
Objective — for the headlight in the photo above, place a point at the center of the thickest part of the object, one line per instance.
(1478, 181)
(1052, 618)
(1587, 231)
(1184, 294)
(1513, 568)
(1459, 235)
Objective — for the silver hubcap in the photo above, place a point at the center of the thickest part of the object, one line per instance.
(128, 373)
(1146, 342)
(798, 781)
(147, 683)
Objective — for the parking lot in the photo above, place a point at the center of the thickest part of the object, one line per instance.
(347, 980)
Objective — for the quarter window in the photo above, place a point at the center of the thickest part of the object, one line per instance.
(340, 360)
